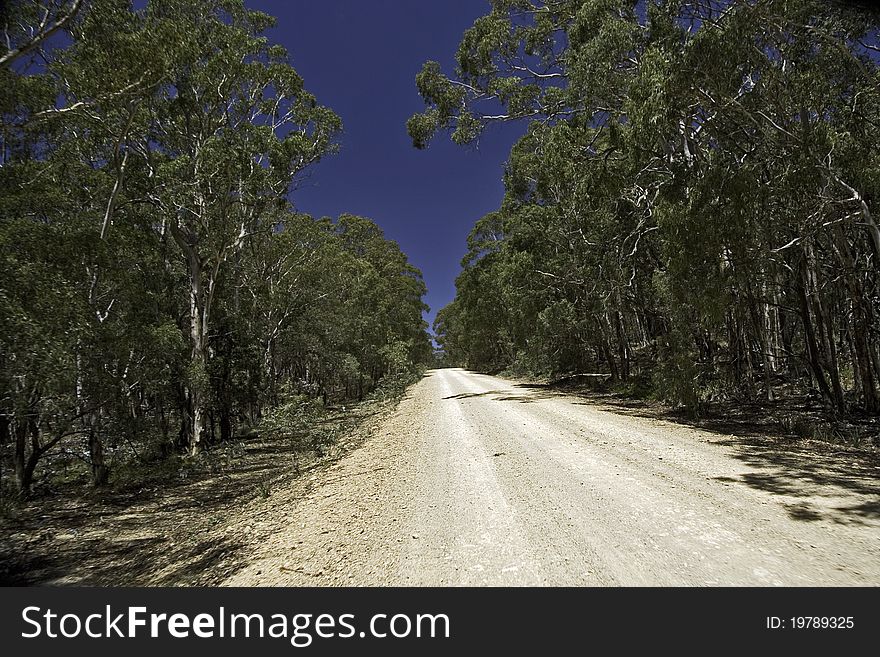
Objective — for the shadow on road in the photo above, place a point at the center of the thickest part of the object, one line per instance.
(505, 395)
(470, 395)
(813, 472)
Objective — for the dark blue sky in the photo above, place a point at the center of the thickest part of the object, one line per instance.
(360, 58)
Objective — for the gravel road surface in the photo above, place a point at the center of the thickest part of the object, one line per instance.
(477, 480)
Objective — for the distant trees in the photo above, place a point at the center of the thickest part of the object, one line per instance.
(697, 187)
(156, 289)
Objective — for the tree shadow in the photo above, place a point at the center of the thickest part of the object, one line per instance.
(814, 472)
(502, 395)
(170, 526)
(522, 399)
(815, 475)
(471, 395)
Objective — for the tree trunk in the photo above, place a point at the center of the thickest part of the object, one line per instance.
(164, 426)
(25, 463)
(18, 459)
(185, 408)
(607, 353)
(100, 472)
(860, 319)
(197, 432)
(199, 315)
(199, 361)
(824, 331)
(763, 342)
(271, 374)
(622, 346)
(225, 423)
(5, 439)
(812, 346)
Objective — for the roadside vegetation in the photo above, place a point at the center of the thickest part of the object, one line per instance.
(179, 519)
(160, 297)
(691, 210)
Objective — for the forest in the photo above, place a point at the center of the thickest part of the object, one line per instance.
(159, 293)
(692, 207)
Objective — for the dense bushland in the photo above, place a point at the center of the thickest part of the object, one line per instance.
(692, 205)
(158, 292)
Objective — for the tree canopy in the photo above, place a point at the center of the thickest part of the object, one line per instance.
(693, 202)
(157, 288)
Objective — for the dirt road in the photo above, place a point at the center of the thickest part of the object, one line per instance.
(475, 480)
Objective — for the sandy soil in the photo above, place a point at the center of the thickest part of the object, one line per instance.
(476, 480)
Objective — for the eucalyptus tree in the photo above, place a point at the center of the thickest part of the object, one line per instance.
(694, 187)
(106, 87)
(311, 309)
(67, 151)
(152, 273)
(103, 170)
(232, 128)
(391, 330)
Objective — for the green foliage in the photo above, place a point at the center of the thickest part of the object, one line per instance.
(293, 418)
(689, 204)
(157, 293)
